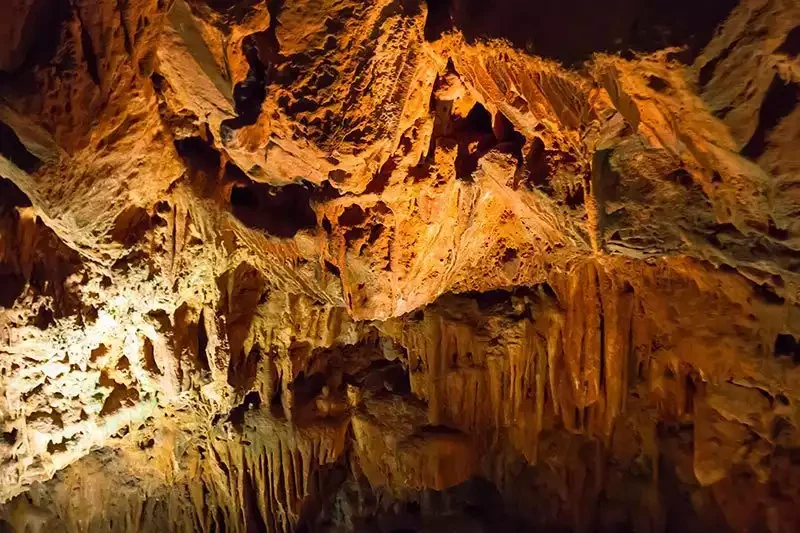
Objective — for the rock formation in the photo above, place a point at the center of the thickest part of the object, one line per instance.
(399, 265)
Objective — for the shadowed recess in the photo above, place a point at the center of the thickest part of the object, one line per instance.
(571, 30)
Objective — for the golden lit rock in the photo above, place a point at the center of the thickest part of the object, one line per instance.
(399, 265)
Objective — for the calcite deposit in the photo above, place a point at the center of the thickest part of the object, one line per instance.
(399, 265)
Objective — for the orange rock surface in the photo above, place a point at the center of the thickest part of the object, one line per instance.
(399, 265)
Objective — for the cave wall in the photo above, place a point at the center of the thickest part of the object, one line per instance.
(399, 265)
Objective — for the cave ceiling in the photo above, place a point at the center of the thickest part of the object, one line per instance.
(399, 265)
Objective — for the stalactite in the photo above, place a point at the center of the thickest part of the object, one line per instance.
(617, 307)
(570, 360)
(216, 484)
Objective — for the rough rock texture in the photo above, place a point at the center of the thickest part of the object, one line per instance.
(397, 265)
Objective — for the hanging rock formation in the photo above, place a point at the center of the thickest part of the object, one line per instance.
(399, 265)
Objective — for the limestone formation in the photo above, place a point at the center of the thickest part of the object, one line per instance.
(399, 265)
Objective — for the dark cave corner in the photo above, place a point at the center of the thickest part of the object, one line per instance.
(15, 151)
(278, 211)
(12, 281)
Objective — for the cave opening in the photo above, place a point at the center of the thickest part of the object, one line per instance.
(12, 148)
(279, 211)
(781, 99)
(787, 345)
(571, 31)
(475, 135)
(12, 280)
(11, 196)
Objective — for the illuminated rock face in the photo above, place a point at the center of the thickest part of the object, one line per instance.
(399, 265)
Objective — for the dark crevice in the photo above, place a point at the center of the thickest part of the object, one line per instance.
(44, 318)
(682, 177)
(329, 480)
(219, 516)
(381, 179)
(723, 112)
(10, 437)
(541, 166)
(130, 226)
(15, 151)
(383, 376)
(353, 215)
(250, 93)
(252, 400)
(604, 184)
(325, 192)
(243, 368)
(12, 282)
(279, 211)
(271, 52)
(42, 32)
(490, 299)
(537, 171)
(779, 234)
(120, 396)
(707, 71)
(438, 20)
(790, 45)
(787, 345)
(276, 402)
(202, 343)
(479, 120)
(306, 388)
(375, 233)
(333, 269)
(767, 294)
(159, 82)
(233, 12)
(10, 195)
(570, 31)
(121, 6)
(781, 427)
(262, 51)
(88, 49)
(149, 358)
(547, 290)
(657, 84)
(354, 234)
(199, 153)
(254, 522)
(476, 126)
(508, 138)
(780, 100)
(575, 197)
(503, 300)
(439, 429)
(11, 287)
(602, 334)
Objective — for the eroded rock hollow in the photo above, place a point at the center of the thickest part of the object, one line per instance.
(399, 265)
